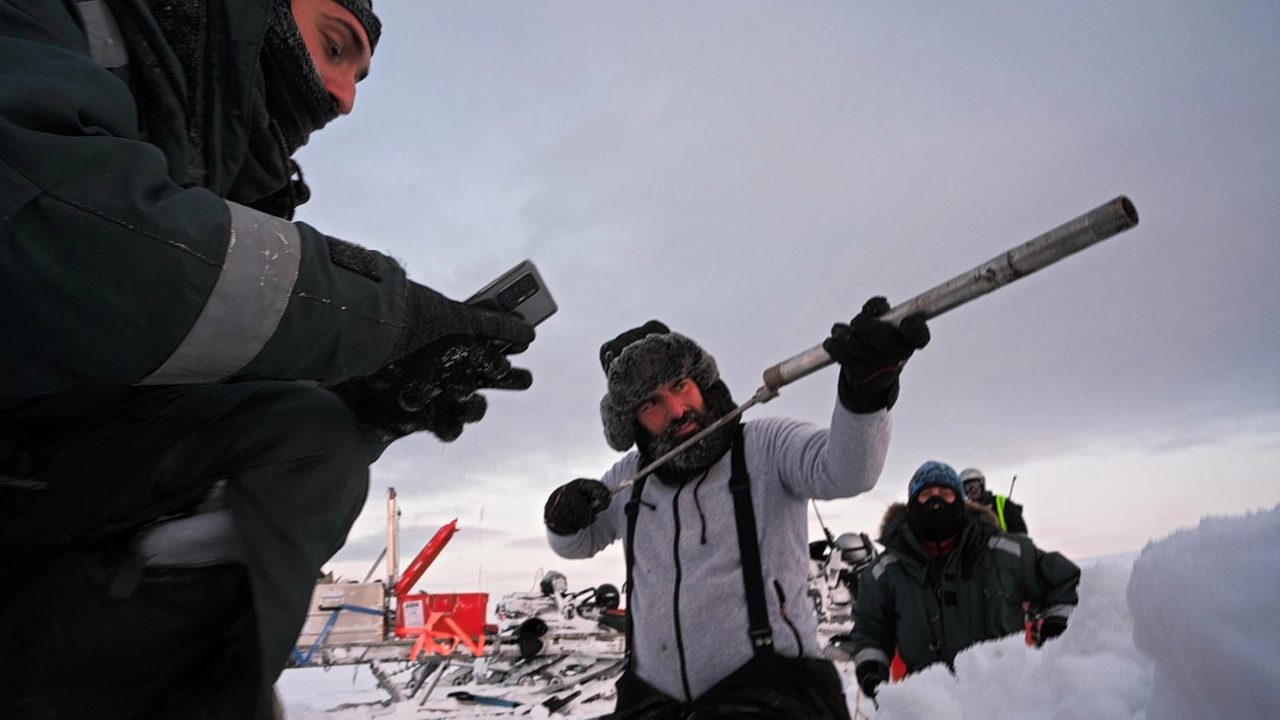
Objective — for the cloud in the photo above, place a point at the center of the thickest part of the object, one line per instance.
(751, 174)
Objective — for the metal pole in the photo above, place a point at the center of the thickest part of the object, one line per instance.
(1105, 221)
(374, 567)
(393, 535)
(1093, 227)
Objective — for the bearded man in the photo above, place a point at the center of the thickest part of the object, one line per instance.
(717, 544)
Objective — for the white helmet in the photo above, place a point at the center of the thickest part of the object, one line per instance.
(855, 548)
(973, 475)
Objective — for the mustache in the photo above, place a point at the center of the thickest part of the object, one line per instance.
(689, 416)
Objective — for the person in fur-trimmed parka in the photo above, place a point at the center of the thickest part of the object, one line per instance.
(951, 578)
(694, 642)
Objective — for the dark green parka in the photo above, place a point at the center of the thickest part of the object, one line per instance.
(143, 243)
(120, 265)
(930, 610)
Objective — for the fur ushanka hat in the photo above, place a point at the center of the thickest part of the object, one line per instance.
(638, 362)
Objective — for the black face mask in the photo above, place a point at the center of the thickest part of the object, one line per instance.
(936, 519)
(297, 100)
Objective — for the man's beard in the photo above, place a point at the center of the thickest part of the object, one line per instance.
(702, 454)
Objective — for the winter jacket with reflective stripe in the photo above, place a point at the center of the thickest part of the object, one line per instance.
(688, 604)
(931, 610)
(113, 275)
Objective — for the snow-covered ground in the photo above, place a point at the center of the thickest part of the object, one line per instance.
(1191, 630)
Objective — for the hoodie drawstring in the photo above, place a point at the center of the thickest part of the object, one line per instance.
(698, 504)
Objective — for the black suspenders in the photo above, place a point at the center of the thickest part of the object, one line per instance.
(759, 630)
(632, 510)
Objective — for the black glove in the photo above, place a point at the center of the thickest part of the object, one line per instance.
(871, 354)
(871, 675)
(575, 505)
(1049, 628)
(433, 389)
(431, 318)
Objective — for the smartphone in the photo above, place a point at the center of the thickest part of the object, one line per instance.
(519, 290)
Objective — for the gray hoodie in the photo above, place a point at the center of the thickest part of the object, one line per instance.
(688, 602)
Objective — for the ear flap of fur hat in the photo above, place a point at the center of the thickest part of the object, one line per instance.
(636, 364)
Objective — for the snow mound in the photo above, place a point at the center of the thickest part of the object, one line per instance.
(1004, 679)
(1193, 631)
(1206, 606)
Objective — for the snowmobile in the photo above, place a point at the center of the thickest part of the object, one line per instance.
(553, 648)
(834, 567)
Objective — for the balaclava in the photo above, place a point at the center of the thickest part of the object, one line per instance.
(935, 520)
(363, 11)
(296, 99)
(636, 364)
(296, 105)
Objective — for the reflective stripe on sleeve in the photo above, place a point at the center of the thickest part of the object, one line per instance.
(1000, 511)
(246, 305)
(885, 561)
(871, 655)
(1062, 611)
(1003, 543)
(106, 44)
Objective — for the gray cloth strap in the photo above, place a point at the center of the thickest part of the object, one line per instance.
(871, 655)
(264, 254)
(207, 537)
(1004, 544)
(196, 541)
(1062, 611)
(885, 561)
(106, 44)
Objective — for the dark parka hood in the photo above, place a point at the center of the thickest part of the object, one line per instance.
(230, 58)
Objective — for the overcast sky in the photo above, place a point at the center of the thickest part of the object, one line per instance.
(751, 172)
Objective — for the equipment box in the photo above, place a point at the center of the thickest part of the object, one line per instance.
(350, 626)
(466, 609)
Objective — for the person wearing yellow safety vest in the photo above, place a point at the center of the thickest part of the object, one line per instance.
(1008, 511)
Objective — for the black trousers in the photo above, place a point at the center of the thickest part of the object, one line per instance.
(81, 638)
(767, 687)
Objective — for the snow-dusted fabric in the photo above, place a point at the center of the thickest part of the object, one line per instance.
(688, 602)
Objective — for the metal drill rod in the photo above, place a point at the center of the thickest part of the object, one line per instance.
(1103, 222)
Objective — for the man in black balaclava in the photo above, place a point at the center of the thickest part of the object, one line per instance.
(950, 578)
(195, 386)
(717, 538)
